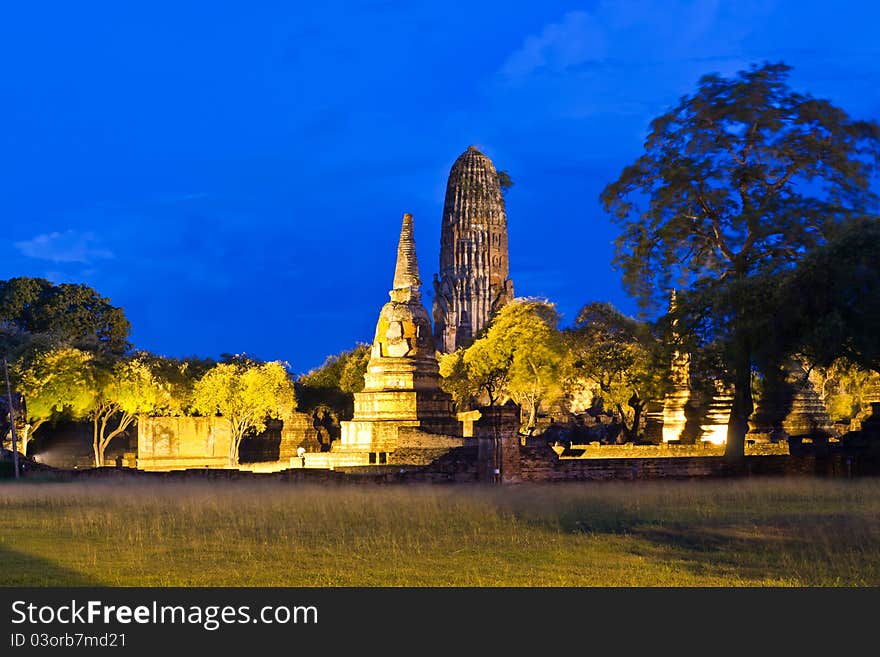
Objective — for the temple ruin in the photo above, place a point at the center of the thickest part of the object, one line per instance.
(474, 266)
(402, 397)
(401, 417)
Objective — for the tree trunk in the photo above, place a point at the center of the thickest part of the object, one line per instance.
(631, 433)
(96, 443)
(28, 434)
(25, 436)
(533, 415)
(234, 442)
(742, 407)
(104, 440)
(625, 431)
(637, 419)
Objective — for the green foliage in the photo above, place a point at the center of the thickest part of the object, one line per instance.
(488, 366)
(733, 175)
(332, 384)
(75, 315)
(737, 182)
(522, 355)
(177, 377)
(19, 346)
(504, 182)
(352, 378)
(834, 299)
(847, 388)
(124, 389)
(246, 395)
(458, 380)
(622, 357)
(56, 384)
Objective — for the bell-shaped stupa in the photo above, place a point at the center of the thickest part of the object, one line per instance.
(402, 383)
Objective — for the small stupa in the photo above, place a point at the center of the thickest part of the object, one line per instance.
(679, 394)
(808, 415)
(402, 383)
(714, 421)
(790, 407)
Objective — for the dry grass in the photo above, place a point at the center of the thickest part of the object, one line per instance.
(703, 533)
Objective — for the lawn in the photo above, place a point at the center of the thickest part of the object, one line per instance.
(745, 532)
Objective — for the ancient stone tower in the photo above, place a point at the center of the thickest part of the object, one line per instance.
(474, 266)
(402, 383)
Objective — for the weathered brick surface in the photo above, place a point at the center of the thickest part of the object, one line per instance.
(593, 451)
(473, 282)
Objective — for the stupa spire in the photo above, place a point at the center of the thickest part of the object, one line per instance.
(406, 273)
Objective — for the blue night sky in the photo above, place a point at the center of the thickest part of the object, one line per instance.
(234, 174)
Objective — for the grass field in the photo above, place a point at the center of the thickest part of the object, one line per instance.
(746, 532)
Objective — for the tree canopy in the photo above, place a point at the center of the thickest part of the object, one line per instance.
(521, 355)
(328, 390)
(123, 389)
(56, 384)
(246, 394)
(739, 180)
(74, 314)
(833, 299)
(622, 357)
(745, 174)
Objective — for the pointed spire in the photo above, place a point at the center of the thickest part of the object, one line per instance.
(406, 273)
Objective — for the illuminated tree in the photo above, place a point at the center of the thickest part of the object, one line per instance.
(55, 384)
(458, 380)
(736, 183)
(177, 377)
(846, 388)
(246, 394)
(124, 389)
(351, 379)
(330, 387)
(622, 357)
(522, 355)
(488, 368)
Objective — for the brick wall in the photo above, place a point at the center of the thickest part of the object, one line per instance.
(666, 450)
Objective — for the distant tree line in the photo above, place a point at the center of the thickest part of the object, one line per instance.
(70, 359)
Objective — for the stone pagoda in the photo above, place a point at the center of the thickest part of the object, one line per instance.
(689, 414)
(474, 266)
(790, 407)
(676, 400)
(402, 401)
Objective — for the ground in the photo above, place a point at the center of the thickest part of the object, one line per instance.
(741, 532)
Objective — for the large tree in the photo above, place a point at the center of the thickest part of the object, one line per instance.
(622, 357)
(245, 393)
(123, 390)
(55, 384)
(521, 355)
(738, 181)
(74, 313)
